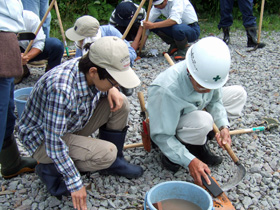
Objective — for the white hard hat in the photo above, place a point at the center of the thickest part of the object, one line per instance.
(208, 62)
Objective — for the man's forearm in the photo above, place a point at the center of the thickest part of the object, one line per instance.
(165, 23)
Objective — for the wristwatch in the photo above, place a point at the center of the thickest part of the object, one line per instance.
(223, 126)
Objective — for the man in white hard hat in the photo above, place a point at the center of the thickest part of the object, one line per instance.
(179, 126)
(67, 105)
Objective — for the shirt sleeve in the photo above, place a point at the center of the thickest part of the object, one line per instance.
(177, 11)
(32, 22)
(164, 113)
(57, 150)
(217, 109)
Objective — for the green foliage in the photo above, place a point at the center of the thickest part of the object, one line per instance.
(208, 13)
(100, 10)
(206, 8)
(270, 6)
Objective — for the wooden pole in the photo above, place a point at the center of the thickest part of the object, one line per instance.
(133, 19)
(61, 28)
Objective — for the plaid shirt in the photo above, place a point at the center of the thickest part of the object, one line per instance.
(61, 102)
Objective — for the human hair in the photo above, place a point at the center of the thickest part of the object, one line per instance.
(85, 64)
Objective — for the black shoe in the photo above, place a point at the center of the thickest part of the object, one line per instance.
(12, 164)
(252, 38)
(211, 135)
(127, 91)
(168, 164)
(25, 74)
(53, 180)
(122, 168)
(226, 35)
(203, 153)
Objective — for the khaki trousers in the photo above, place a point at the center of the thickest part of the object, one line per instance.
(90, 154)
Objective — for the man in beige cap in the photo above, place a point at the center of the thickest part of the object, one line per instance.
(67, 105)
(87, 30)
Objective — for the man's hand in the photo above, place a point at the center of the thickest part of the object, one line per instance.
(148, 24)
(223, 137)
(30, 55)
(115, 99)
(197, 169)
(79, 199)
(160, 24)
(24, 59)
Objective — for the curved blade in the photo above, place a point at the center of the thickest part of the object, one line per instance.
(241, 172)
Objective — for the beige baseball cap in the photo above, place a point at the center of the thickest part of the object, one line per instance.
(111, 53)
(85, 26)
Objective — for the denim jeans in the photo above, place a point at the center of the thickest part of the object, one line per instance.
(7, 116)
(246, 8)
(39, 7)
(53, 52)
(180, 31)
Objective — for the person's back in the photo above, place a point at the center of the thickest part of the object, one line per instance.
(122, 16)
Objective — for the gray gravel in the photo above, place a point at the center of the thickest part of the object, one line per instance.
(257, 71)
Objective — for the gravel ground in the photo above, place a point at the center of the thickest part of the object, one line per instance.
(257, 71)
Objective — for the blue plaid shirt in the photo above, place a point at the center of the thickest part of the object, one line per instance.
(61, 102)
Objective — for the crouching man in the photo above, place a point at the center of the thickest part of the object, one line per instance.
(67, 105)
(176, 102)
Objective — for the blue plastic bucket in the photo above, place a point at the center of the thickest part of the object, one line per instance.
(179, 190)
(20, 98)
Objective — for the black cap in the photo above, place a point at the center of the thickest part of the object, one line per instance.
(124, 13)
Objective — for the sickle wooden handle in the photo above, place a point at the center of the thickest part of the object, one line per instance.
(142, 102)
(169, 60)
(227, 147)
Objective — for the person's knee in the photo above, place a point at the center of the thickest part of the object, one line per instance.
(206, 123)
(55, 45)
(125, 107)
(201, 125)
(241, 94)
(110, 155)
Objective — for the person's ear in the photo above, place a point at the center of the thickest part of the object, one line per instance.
(92, 72)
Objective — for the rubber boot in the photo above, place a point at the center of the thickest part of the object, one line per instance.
(182, 49)
(226, 35)
(168, 40)
(169, 165)
(12, 164)
(47, 68)
(25, 74)
(127, 91)
(203, 153)
(120, 167)
(53, 180)
(252, 38)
